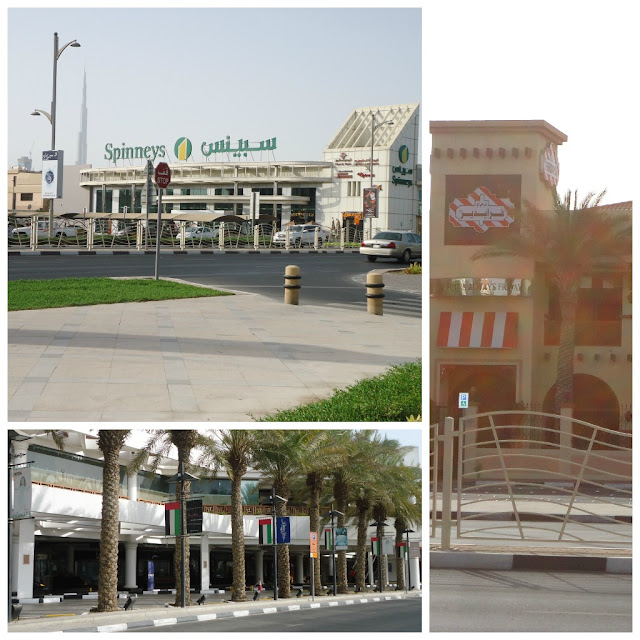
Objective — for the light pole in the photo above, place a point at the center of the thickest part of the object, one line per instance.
(379, 532)
(374, 128)
(408, 531)
(333, 545)
(57, 52)
(273, 499)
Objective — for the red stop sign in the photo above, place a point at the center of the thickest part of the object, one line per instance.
(163, 175)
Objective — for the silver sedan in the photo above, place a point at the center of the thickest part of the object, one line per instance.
(402, 245)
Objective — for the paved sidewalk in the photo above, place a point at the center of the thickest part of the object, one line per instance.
(233, 358)
(159, 616)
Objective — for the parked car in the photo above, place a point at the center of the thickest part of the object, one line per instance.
(197, 233)
(300, 234)
(43, 231)
(69, 584)
(402, 245)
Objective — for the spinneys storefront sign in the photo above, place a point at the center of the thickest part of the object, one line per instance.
(183, 147)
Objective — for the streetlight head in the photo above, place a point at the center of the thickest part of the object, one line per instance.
(35, 113)
(75, 44)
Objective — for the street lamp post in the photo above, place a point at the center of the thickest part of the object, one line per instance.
(374, 128)
(379, 532)
(333, 513)
(57, 52)
(275, 498)
(408, 531)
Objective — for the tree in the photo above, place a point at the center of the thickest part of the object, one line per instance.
(232, 449)
(569, 243)
(278, 455)
(159, 445)
(323, 451)
(110, 442)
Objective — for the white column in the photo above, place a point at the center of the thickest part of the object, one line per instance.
(372, 577)
(132, 487)
(131, 551)
(259, 565)
(415, 572)
(26, 547)
(299, 568)
(204, 562)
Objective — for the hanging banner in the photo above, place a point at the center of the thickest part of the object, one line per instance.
(414, 549)
(283, 530)
(21, 493)
(370, 202)
(265, 534)
(328, 542)
(342, 543)
(52, 170)
(194, 516)
(172, 519)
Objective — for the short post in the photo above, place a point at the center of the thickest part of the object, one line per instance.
(447, 485)
(286, 239)
(292, 284)
(316, 232)
(374, 293)
(342, 234)
(256, 236)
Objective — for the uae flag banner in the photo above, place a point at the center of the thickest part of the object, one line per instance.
(375, 546)
(327, 540)
(402, 549)
(265, 535)
(172, 519)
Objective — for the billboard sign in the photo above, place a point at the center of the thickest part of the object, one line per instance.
(370, 202)
(52, 170)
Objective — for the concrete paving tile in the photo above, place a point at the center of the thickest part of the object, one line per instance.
(92, 369)
(134, 397)
(64, 416)
(77, 396)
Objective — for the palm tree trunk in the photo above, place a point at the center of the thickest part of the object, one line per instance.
(361, 550)
(314, 482)
(400, 527)
(237, 540)
(110, 443)
(341, 496)
(566, 348)
(284, 584)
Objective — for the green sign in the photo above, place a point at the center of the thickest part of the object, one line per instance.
(403, 153)
(182, 148)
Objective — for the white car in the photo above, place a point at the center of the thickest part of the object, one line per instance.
(201, 233)
(300, 234)
(402, 245)
(43, 231)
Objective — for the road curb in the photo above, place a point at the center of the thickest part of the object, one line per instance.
(153, 619)
(528, 561)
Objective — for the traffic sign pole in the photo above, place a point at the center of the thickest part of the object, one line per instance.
(158, 230)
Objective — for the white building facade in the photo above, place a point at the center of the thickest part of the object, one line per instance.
(56, 535)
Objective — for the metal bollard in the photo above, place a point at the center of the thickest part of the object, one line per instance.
(374, 293)
(291, 284)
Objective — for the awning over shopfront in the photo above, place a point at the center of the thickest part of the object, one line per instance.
(478, 329)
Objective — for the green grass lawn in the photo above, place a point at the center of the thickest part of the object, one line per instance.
(77, 292)
(394, 396)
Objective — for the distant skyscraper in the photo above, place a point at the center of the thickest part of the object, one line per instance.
(82, 136)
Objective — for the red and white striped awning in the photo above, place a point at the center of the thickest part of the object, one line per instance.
(479, 329)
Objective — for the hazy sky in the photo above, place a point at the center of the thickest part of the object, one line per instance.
(157, 74)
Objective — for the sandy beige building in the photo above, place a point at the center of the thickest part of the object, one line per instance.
(494, 322)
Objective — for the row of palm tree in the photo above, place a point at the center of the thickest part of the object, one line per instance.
(358, 470)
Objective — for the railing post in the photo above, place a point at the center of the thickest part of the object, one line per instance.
(566, 411)
(447, 484)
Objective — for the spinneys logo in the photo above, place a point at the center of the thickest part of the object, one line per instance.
(182, 148)
(403, 153)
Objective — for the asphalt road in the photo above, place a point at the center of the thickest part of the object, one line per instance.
(390, 617)
(520, 601)
(327, 279)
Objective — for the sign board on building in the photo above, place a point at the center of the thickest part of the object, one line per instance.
(52, 172)
(549, 165)
(480, 287)
(463, 401)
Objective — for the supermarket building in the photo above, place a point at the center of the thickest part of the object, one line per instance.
(494, 323)
(56, 538)
(328, 192)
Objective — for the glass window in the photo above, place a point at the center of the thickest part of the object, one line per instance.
(26, 197)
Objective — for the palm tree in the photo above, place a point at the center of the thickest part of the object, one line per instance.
(323, 451)
(159, 445)
(277, 454)
(233, 450)
(570, 243)
(110, 442)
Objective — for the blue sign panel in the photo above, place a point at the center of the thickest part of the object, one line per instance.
(150, 575)
(283, 530)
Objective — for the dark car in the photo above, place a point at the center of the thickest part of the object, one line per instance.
(69, 584)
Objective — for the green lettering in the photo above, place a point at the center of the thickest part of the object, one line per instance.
(108, 148)
(146, 152)
(139, 152)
